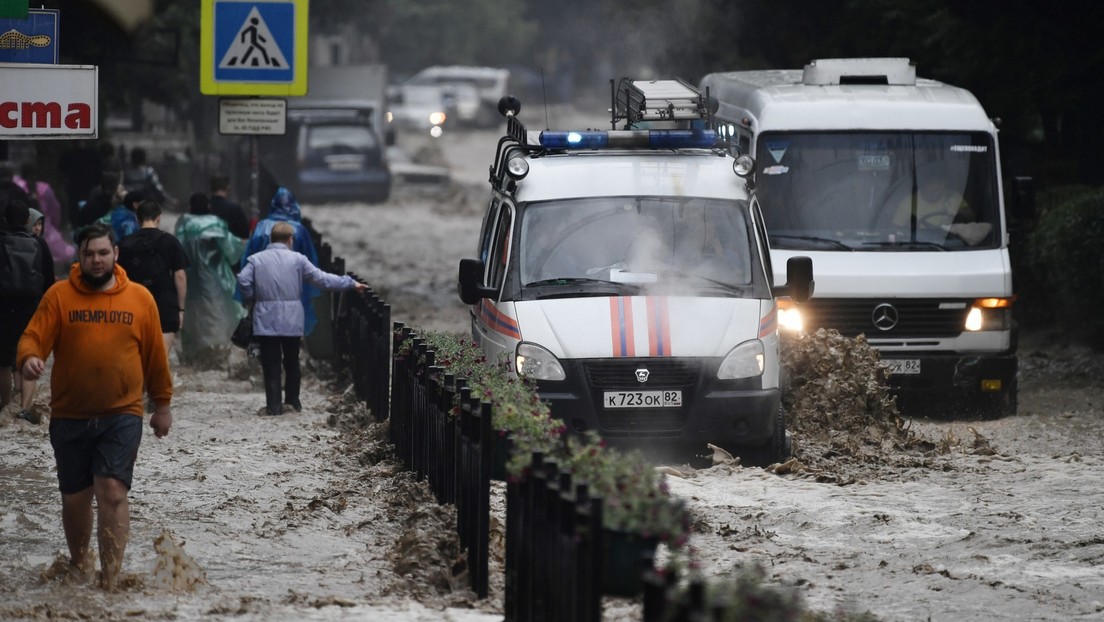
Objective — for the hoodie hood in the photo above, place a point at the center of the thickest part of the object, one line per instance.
(284, 206)
(121, 281)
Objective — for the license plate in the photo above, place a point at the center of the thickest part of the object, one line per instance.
(643, 399)
(901, 366)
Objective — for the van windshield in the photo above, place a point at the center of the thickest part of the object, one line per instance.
(874, 191)
(694, 241)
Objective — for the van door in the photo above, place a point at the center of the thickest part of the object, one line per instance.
(493, 327)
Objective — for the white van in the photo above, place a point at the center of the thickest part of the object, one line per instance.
(488, 84)
(627, 273)
(892, 184)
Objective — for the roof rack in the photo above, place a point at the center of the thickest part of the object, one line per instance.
(635, 101)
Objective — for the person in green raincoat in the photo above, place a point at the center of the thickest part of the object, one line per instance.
(213, 313)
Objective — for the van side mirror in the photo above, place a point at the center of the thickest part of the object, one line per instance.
(799, 280)
(470, 282)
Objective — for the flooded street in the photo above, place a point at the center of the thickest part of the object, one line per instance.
(306, 517)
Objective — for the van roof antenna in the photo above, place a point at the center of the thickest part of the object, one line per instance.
(544, 93)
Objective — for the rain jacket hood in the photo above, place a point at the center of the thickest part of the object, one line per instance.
(121, 281)
(107, 347)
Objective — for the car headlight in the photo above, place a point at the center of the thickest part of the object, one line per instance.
(533, 361)
(746, 360)
(789, 316)
(436, 118)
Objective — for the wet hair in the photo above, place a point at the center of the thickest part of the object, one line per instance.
(7, 170)
(199, 204)
(109, 181)
(148, 210)
(282, 232)
(29, 172)
(220, 182)
(137, 156)
(132, 197)
(93, 231)
(17, 214)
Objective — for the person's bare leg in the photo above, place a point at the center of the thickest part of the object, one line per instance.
(76, 520)
(26, 391)
(114, 526)
(168, 339)
(5, 386)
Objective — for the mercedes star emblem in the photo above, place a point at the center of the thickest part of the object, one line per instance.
(884, 316)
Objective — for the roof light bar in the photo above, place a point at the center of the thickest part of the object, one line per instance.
(629, 139)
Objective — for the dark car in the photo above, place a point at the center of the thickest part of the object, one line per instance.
(329, 153)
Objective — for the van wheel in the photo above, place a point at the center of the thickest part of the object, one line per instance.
(780, 445)
(774, 451)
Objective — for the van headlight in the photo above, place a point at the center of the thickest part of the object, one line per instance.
(746, 360)
(533, 361)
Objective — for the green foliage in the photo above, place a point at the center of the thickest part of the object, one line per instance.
(636, 498)
(1064, 253)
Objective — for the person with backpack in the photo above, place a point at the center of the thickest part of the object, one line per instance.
(26, 272)
(156, 260)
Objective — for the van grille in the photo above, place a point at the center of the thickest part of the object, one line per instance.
(665, 373)
(915, 318)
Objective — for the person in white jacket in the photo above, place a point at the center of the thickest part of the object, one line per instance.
(272, 280)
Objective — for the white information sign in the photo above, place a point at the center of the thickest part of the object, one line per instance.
(253, 116)
(40, 101)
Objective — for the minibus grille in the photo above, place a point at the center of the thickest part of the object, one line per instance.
(914, 318)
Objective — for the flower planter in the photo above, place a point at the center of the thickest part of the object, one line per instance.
(622, 568)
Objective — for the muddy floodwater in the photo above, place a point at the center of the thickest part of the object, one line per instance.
(306, 516)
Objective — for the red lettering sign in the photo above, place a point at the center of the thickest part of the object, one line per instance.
(42, 115)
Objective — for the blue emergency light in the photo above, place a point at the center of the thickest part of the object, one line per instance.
(629, 139)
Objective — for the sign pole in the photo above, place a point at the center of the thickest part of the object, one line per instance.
(254, 177)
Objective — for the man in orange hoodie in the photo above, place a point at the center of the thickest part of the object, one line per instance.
(105, 335)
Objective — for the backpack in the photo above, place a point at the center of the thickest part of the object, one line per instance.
(20, 266)
(144, 263)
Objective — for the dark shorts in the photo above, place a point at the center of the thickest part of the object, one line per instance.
(170, 316)
(104, 446)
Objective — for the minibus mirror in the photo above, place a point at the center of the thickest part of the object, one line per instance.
(470, 283)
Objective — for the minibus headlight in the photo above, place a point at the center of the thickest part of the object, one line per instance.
(746, 360)
(533, 361)
(789, 317)
(989, 314)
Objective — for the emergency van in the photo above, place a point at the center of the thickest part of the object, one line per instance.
(892, 185)
(626, 272)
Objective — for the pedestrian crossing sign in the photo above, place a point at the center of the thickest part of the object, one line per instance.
(252, 47)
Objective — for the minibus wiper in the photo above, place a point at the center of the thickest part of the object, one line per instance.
(909, 244)
(836, 244)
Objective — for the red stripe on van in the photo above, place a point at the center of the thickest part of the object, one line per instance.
(498, 321)
(621, 326)
(659, 326)
(768, 323)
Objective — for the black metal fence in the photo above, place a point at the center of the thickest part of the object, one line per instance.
(556, 547)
